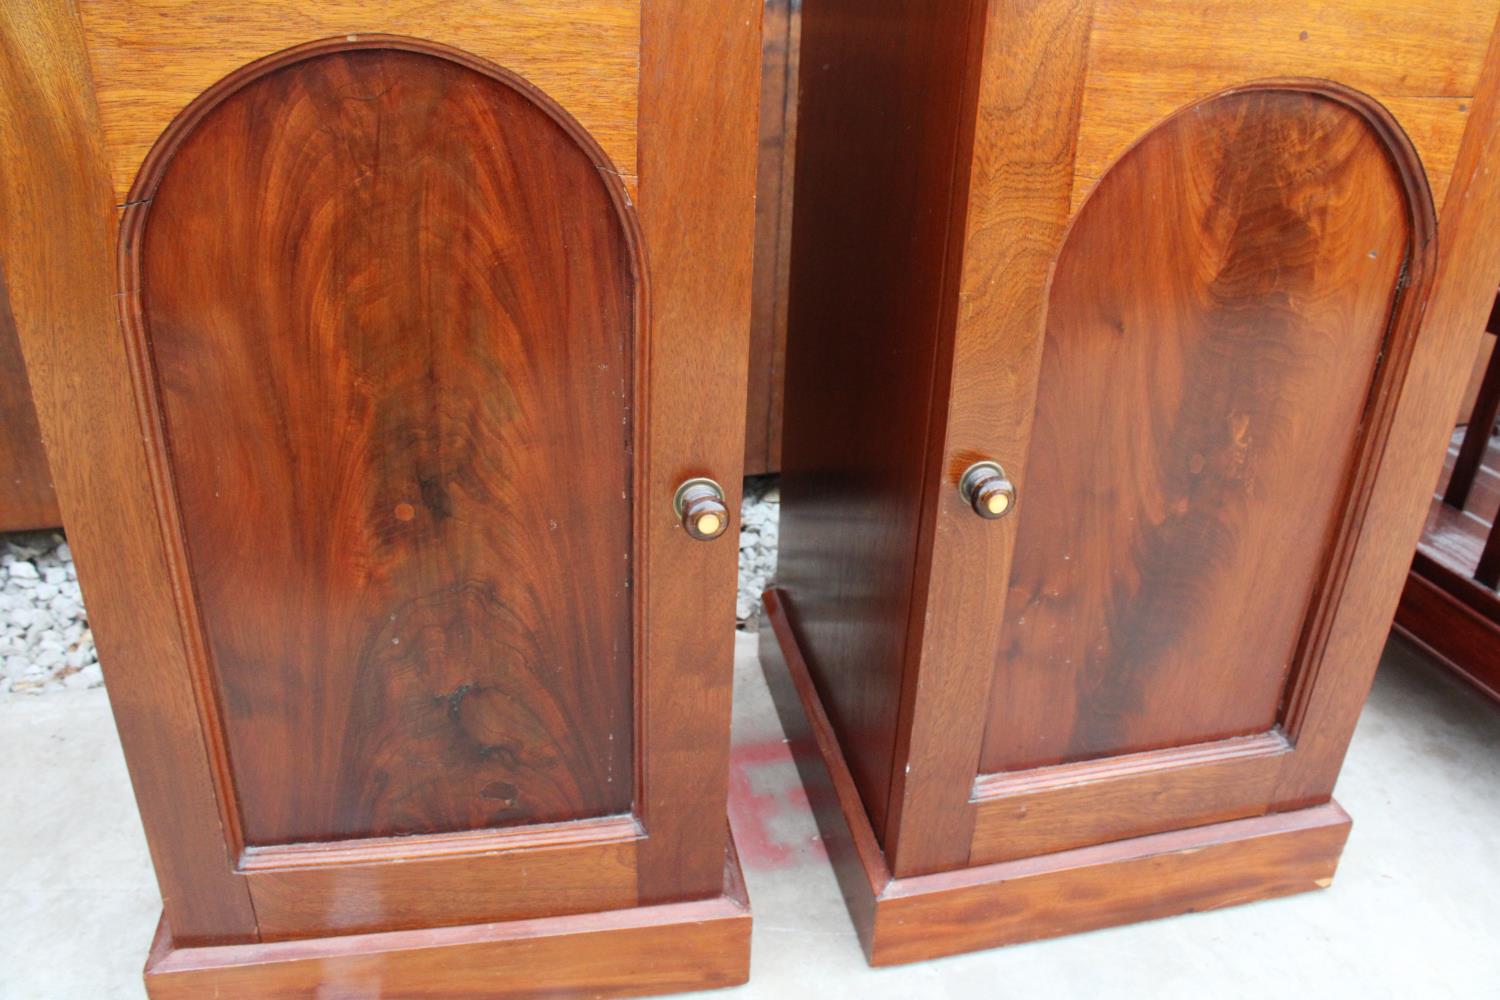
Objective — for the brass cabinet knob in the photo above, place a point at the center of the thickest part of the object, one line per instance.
(700, 504)
(987, 489)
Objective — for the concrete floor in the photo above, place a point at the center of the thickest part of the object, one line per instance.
(1413, 912)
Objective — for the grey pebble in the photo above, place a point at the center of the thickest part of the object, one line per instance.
(45, 642)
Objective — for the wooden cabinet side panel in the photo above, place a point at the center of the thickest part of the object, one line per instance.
(27, 499)
(151, 58)
(877, 186)
(59, 212)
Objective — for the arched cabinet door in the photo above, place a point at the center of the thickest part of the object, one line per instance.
(1228, 324)
(389, 306)
(387, 316)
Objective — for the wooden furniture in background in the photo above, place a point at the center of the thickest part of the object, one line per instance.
(373, 362)
(1173, 268)
(27, 500)
(773, 230)
(1451, 604)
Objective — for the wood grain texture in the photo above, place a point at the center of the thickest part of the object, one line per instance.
(776, 404)
(1127, 881)
(832, 794)
(1049, 809)
(1453, 536)
(1148, 59)
(1030, 108)
(1455, 622)
(1463, 292)
(673, 947)
(1487, 570)
(1484, 348)
(1031, 79)
(57, 203)
(405, 883)
(903, 920)
(700, 74)
(1217, 316)
(883, 91)
(1193, 784)
(27, 499)
(1443, 609)
(781, 33)
(400, 454)
(151, 58)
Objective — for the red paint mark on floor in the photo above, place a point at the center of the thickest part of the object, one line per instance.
(763, 788)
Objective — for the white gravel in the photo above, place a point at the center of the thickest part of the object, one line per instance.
(46, 645)
(760, 515)
(45, 642)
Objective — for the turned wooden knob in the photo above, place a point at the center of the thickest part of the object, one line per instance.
(987, 489)
(700, 504)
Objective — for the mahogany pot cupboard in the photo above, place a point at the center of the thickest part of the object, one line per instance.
(388, 352)
(1123, 342)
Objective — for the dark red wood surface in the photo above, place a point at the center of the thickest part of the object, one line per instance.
(389, 303)
(1455, 537)
(882, 96)
(1443, 608)
(1480, 423)
(911, 919)
(27, 500)
(1217, 318)
(642, 951)
(60, 213)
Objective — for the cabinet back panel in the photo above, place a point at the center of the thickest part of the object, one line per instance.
(389, 301)
(1215, 324)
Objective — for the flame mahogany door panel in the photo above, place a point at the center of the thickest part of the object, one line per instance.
(1216, 324)
(386, 305)
(390, 306)
(403, 352)
(1225, 332)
